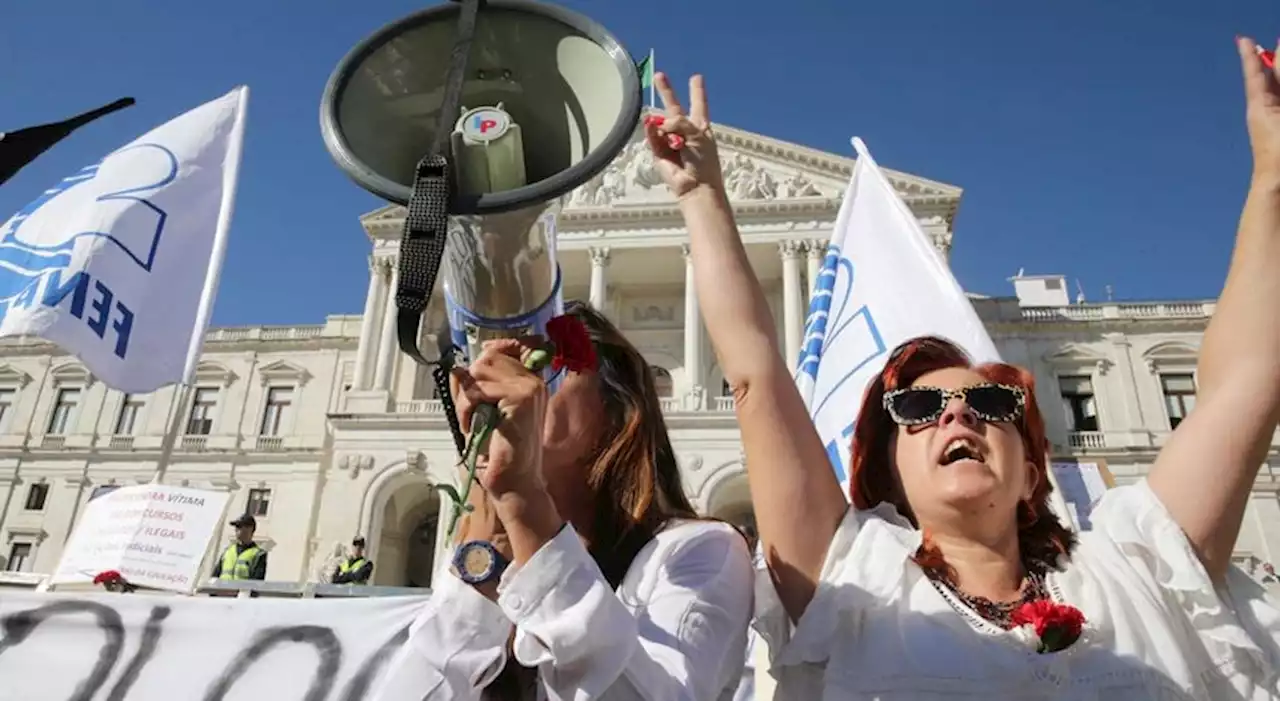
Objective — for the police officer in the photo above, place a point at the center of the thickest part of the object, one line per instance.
(242, 559)
(356, 569)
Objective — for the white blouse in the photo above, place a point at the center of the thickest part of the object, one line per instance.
(675, 630)
(1156, 628)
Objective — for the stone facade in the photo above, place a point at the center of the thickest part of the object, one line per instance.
(326, 431)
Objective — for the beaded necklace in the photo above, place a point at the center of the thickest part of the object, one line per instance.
(999, 613)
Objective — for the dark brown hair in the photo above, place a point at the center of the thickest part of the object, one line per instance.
(635, 478)
(1041, 536)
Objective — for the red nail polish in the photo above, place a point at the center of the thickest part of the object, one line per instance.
(655, 119)
(675, 141)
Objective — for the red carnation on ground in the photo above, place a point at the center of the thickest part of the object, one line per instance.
(108, 577)
(1055, 626)
(111, 580)
(573, 347)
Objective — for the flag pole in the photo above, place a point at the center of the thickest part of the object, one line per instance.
(182, 394)
(653, 70)
(185, 390)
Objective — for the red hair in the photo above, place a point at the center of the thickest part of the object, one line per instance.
(1041, 536)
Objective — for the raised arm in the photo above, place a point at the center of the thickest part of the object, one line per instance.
(1206, 471)
(787, 466)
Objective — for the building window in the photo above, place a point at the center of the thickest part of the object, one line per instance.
(662, 381)
(1179, 396)
(19, 558)
(259, 502)
(202, 405)
(7, 399)
(64, 411)
(130, 409)
(1079, 403)
(279, 399)
(36, 496)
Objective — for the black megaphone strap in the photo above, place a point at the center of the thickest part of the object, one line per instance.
(427, 223)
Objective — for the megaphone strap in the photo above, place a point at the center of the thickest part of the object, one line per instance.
(427, 221)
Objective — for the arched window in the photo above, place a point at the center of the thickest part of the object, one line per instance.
(662, 381)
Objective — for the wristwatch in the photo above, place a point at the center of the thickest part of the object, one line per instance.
(478, 562)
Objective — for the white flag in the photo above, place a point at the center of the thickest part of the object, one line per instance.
(119, 263)
(882, 283)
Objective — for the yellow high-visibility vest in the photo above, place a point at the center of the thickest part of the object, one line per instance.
(239, 565)
(349, 566)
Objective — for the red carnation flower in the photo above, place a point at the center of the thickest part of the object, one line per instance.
(112, 580)
(1056, 626)
(573, 347)
(108, 577)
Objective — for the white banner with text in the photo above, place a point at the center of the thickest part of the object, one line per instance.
(153, 647)
(154, 535)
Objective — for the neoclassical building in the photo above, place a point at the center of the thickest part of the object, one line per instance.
(326, 431)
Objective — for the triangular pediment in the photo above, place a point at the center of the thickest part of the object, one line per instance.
(757, 169)
(13, 377)
(283, 371)
(1073, 354)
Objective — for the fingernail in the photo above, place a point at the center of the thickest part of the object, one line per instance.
(655, 120)
(675, 141)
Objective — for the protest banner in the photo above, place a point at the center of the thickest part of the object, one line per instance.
(150, 647)
(154, 535)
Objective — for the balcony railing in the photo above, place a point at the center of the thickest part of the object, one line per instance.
(269, 444)
(1126, 312)
(265, 333)
(721, 405)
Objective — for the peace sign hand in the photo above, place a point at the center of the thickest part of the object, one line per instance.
(1262, 99)
(683, 146)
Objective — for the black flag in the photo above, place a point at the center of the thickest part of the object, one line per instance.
(18, 148)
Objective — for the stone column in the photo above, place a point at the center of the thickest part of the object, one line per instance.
(792, 316)
(816, 251)
(373, 300)
(387, 346)
(599, 286)
(695, 388)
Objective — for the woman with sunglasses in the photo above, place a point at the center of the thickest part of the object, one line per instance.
(583, 571)
(918, 590)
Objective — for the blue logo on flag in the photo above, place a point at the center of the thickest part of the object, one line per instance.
(860, 344)
(106, 203)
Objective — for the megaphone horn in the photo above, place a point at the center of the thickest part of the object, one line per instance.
(480, 116)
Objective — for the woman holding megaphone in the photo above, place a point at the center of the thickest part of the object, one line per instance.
(949, 577)
(583, 571)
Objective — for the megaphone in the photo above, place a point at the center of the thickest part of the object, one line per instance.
(480, 116)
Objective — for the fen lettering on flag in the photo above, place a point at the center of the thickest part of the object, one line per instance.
(118, 264)
(881, 282)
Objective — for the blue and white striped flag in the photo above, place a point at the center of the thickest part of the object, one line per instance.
(882, 282)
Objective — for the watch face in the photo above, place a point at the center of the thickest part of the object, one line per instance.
(476, 562)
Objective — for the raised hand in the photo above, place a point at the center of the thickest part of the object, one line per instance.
(1262, 100)
(683, 145)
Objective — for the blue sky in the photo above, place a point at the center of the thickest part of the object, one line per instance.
(1099, 139)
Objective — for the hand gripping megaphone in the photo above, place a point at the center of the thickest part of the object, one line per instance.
(480, 116)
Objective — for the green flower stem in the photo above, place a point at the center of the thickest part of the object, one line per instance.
(484, 422)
